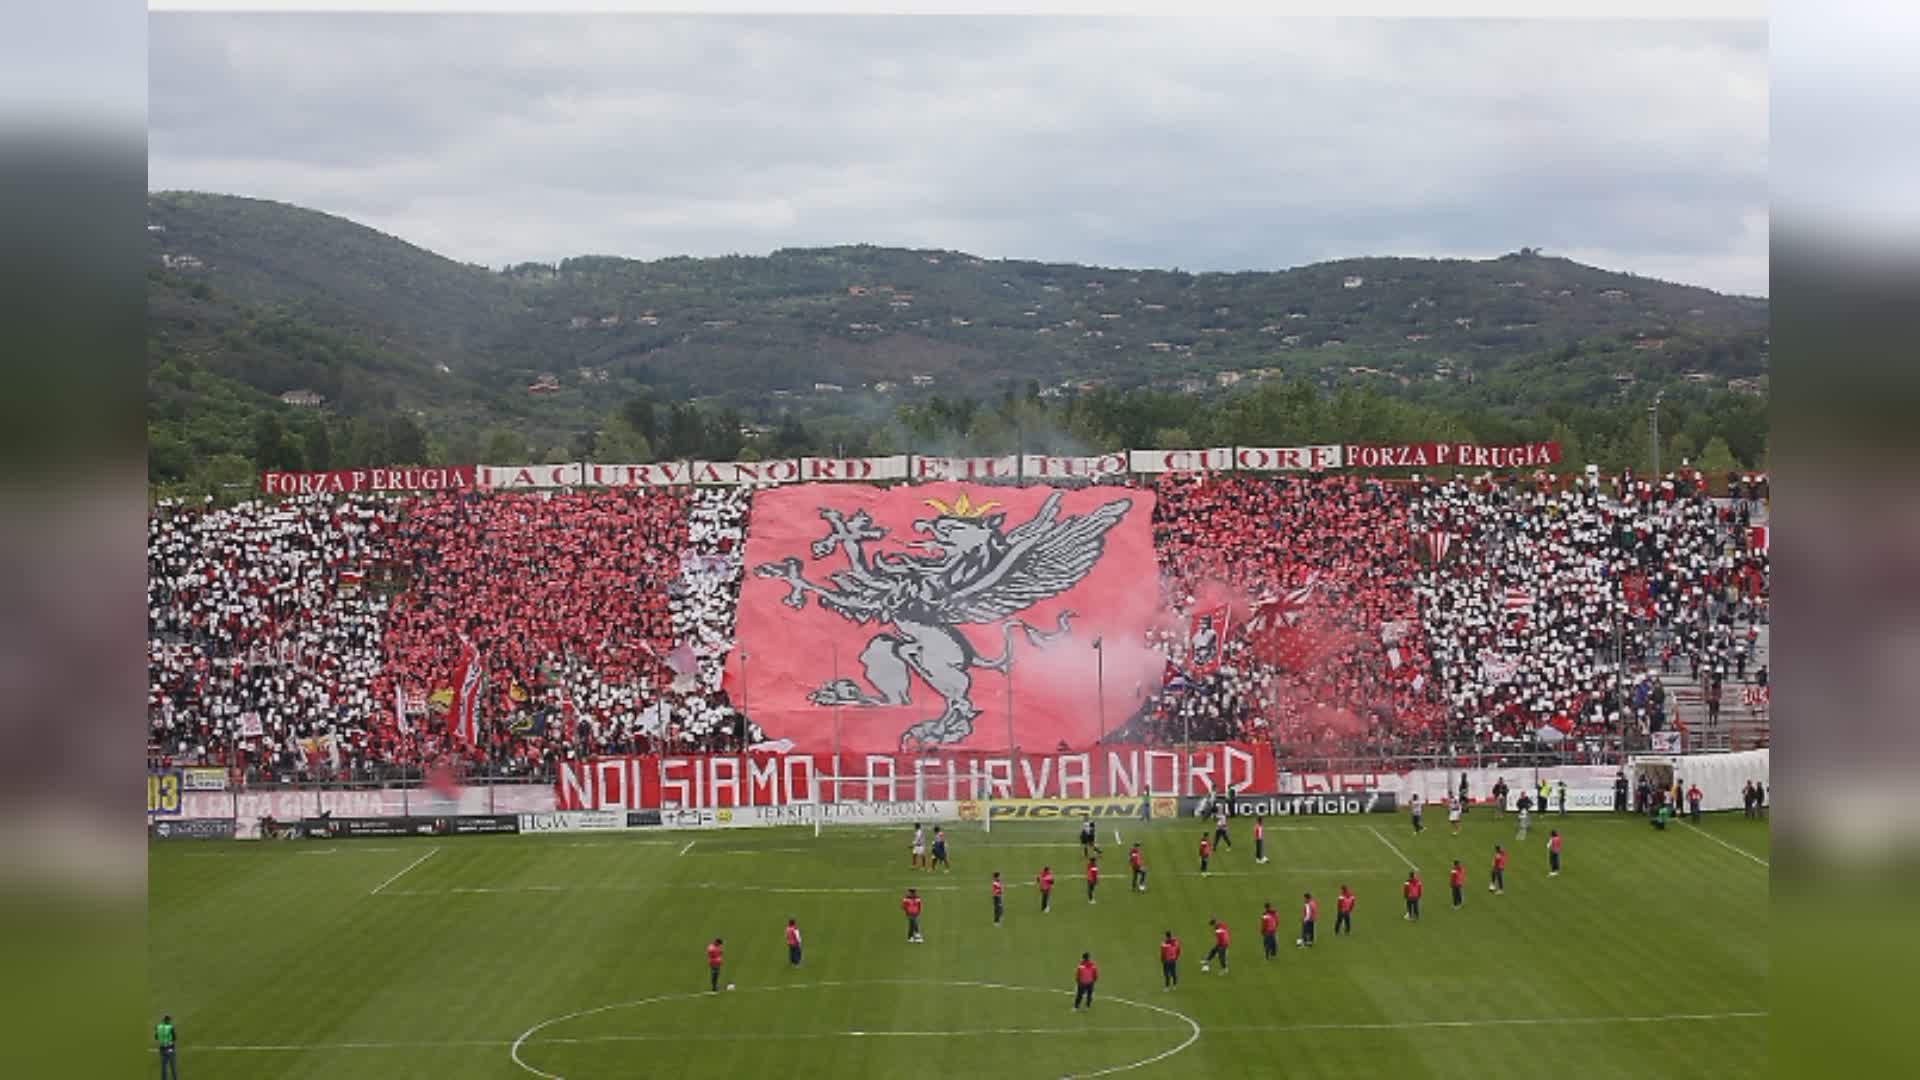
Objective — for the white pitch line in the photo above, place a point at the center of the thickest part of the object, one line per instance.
(377, 889)
(1518, 1021)
(689, 846)
(1398, 1025)
(691, 1036)
(1730, 847)
(1383, 839)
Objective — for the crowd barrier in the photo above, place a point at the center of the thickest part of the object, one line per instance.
(711, 791)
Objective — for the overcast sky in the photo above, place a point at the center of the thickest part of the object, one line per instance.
(1204, 144)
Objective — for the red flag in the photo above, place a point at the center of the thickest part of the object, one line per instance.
(465, 717)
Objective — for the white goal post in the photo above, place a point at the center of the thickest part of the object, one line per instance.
(929, 803)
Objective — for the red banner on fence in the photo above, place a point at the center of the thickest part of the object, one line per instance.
(944, 615)
(350, 481)
(713, 781)
(1454, 455)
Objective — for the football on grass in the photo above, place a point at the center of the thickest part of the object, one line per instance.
(729, 986)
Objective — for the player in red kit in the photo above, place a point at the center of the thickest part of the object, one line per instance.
(1206, 851)
(1412, 890)
(1499, 882)
(1343, 911)
(1553, 854)
(1046, 889)
(1309, 914)
(1093, 879)
(793, 943)
(1221, 939)
(1270, 930)
(1260, 839)
(1457, 878)
(1139, 869)
(999, 898)
(1169, 962)
(911, 905)
(1084, 977)
(716, 954)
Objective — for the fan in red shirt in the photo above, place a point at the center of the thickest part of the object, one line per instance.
(1412, 890)
(911, 905)
(1093, 878)
(1499, 882)
(1170, 962)
(1221, 939)
(793, 943)
(1309, 914)
(715, 955)
(1046, 889)
(1343, 911)
(1206, 850)
(999, 898)
(1084, 977)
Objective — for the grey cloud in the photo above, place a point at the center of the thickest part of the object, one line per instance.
(1205, 144)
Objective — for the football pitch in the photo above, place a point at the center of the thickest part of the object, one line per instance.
(582, 956)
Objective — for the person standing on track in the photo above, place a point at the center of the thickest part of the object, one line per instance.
(165, 1039)
(1084, 977)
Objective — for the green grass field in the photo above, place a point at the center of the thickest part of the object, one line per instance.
(431, 957)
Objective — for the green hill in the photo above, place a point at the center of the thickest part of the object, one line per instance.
(251, 299)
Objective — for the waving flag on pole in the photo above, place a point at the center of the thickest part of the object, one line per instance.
(400, 709)
(466, 698)
(1206, 639)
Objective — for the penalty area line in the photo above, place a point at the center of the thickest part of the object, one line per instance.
(378, 889)
(1382, 837)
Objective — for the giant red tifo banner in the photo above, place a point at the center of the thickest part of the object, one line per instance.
(944, 615)
(716, 781)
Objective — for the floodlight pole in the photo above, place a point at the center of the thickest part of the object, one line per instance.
(836, 724)
(1100, 684)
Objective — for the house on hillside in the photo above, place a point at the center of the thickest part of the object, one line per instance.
(828, 388)
(885, 386)
(1352, 281)
(923, 380)
(302, 399)
(609, 320)
(546, 383)
(579, 322)
(1160, 346)
(1615, 295)
(1226, 378)
(856, 290)
(182, 262)
(1417, 336)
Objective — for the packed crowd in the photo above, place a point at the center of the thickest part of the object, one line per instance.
(317, 637)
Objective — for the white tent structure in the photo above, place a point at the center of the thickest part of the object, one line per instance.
(1720, 777)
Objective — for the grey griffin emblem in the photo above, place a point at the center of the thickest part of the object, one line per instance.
(966, 572)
